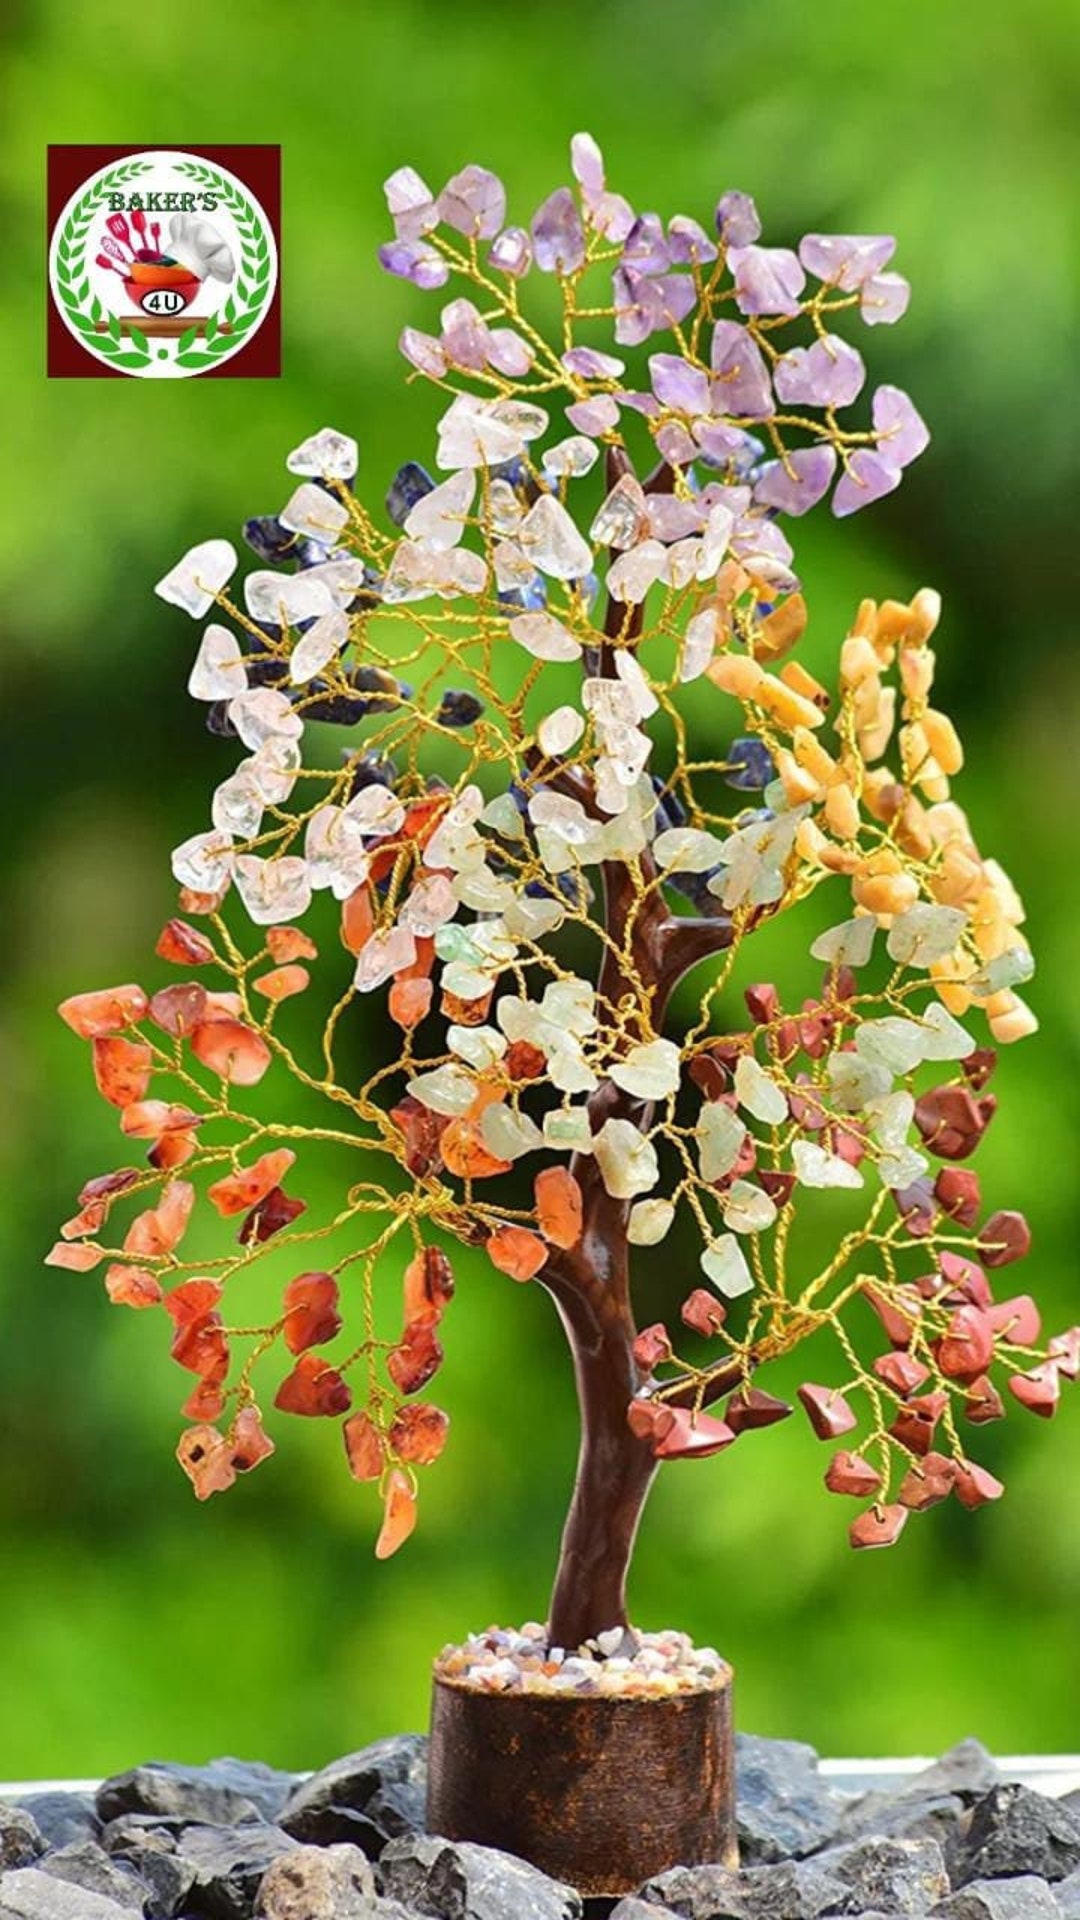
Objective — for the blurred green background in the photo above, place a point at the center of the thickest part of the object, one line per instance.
(132, 1621)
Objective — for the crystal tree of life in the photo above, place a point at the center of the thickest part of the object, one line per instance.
(522, 753)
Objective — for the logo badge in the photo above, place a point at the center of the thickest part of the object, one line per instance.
(163, 262)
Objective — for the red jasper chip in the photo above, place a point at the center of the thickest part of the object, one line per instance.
(762, 1002)
(649, 1419)
(966, 1348)
(1017, 1322)
(176, 1010)
(122, 1069)
(419, 1433)
(311, 1315)
(239, 1191)
(273, 1213)
(959, 1194)
(184, 945)
(951, 1121)
(878, 1527)
(427, 1287)
(703, 1312)
(778, 1185)
(313, 1389)
(160, 1228)
(917, 1207)
(899, 1311)
(927, 1483)
(1039, 1391)
(232, 1050)
(978, 1067)
(709, 1075)
(850, 1473)
(249, 1440)
(206, 1458)
(902, 1372)
(1005, 1237)
(983, 1403)
(688, 1438)
(415, 1360)
(828, 1412)
(94, 1015)
(365, 1448)
(133, 1287)
(974, 1486)
(966, 1279)
(285, 944)
(422, 1131)
(652, 1347)
(1064, 1351)
(915, 1424)
(523, 1061)
(751, 1407)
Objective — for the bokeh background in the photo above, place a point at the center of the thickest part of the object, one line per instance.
(133, 1622)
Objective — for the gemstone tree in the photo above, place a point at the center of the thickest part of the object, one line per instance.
(582, 761)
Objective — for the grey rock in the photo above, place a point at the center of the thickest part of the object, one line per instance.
(1023, 1898)
(20, 1838)
(149, 1846)
(784, 1808)
(368, 1797)
(1067, 1895)
(85, 1864)
(223, 1793)
(140, 1833)
(466, 1882)
(318, 1883)
(62, 1817)
(895, 1876)
(967, 1769)
(1013, 1830)
(928, 1805)
(788, 1890)
(229, 1866)
(634, 1908)
(30, 1894)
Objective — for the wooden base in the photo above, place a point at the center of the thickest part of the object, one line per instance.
(161, 328)
(598, 1792)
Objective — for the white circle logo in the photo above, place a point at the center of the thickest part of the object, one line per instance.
(163, 266)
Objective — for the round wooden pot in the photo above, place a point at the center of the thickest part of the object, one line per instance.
(599, 1792)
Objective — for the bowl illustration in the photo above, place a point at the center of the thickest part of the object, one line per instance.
(156, 288)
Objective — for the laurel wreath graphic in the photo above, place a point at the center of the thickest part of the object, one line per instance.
(131, 349)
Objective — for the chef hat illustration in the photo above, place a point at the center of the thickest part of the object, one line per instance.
(198, 244)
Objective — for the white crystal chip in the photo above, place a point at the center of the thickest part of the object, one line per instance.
(198, 577)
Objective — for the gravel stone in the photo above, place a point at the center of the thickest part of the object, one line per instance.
(224, 1793)
(368, 1797)
(790, 1890)
(896, 1876)
(1067, 1895)
(1024, 1898)
(229, 1867)
(929, 1805)
(20, 1839)
(467, 1882)
(318, 1883)
(784, 1808)
(633, 1908)
(62, 1817)
(85, 1864)
(1013, 1830)
(30, 1894)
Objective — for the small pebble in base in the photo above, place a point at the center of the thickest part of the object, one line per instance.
(623, 1664)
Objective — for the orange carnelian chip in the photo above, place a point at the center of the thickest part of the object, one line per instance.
(159, 1228)
(133, 1287)
(172, 1150)
(78, 1257)
(311, 1315)
(231, 1050)
(288, 943)
(427, 1287)
(177, 1009)
(249, 1440)
(183, 944)
(418, 1433)
(313, 1388)
(364, 1447)
(464, 1153)
(206, 1458)
(559, 1206)
(239, 1191)
(149, 1119)
(122, 1069)
(408, 1001)
(282, 982)
(516, 1251)
(357, 919)
(523, 1061)
(201, 1347)
(415, 1360)
(204, 1402)
(466, 1013)
(423, 817)
(94, 1015)
(399, 1515)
